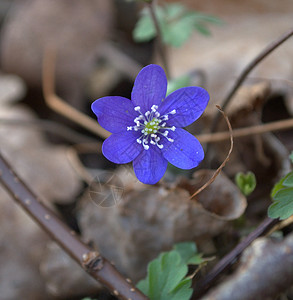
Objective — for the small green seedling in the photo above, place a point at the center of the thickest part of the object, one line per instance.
(245, 182)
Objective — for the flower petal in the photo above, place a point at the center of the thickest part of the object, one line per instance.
(150, 166)
(149, 88)
(114, 113)
(189, 103)
(122, 148)
(185, 152)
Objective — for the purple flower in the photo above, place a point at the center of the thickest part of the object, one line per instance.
(147, 129)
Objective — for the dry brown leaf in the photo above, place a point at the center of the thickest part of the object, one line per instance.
(41, 165)
(150, 219)
(75, 29)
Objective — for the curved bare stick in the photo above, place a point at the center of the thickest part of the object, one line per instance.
(60, 106)
(96, 265)
(212, 179)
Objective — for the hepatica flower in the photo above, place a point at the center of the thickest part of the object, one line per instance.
(147, 130)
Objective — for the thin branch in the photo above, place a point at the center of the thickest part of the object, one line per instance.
(216, 137)
(60, 106)
(161, 46)
(96, 265)
(212, 179)
(265, 271)
(201, 286)
(246, 131)
(263, 54)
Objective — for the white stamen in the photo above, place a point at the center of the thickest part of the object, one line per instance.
(151, 124)
(144, 142)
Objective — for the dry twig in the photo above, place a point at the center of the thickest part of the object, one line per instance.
(96, 265)
(246, 131)
(224, 162)
(263, 54)
(266, 270)
(60, 106)
(205, 283)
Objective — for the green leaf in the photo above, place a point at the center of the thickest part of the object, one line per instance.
(189, 255)
(144, 30)
(178, 83)
(177, 33)
(282, 206)
(186, 250)
(176, 22)
(182, 290)
(288, 180)
(202, 29)
(279, 185)
(282, 194)
(166, 278)
(245, 182)
(165, 273)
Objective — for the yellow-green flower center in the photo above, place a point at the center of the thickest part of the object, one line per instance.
(152, 126)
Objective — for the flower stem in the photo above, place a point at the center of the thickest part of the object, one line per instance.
(91, 261)
(161, 46)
